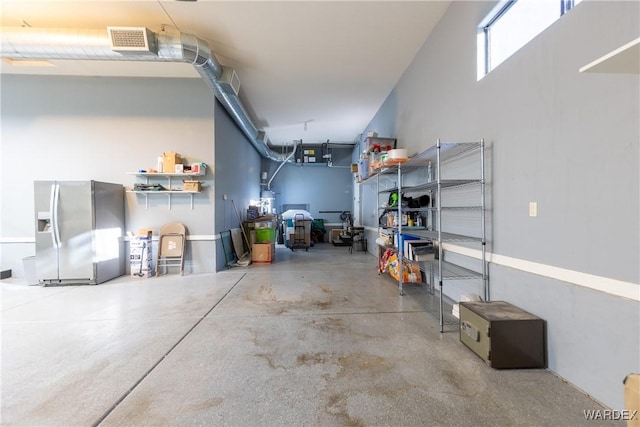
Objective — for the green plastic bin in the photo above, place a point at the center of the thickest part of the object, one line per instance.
(265, 235)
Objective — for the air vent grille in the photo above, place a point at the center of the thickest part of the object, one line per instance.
(126, 38)
(229, 80)
(137, 40)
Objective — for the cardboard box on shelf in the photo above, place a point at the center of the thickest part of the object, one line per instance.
(169, 161)
(192, 186)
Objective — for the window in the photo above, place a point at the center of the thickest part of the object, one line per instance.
(511, 25)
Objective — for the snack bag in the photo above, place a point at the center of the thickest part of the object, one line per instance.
(410, 271)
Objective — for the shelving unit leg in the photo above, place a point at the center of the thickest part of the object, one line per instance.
(439, 218)
(400, 242)
(485, 282)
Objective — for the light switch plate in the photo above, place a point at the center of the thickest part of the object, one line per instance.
(533, 209)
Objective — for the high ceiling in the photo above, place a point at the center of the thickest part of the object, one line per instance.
(310, 70)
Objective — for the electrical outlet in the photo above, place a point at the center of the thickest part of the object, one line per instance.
(224, 197)
(533, 209)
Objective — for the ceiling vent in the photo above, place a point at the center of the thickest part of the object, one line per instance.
(132, 40)
(230, 80)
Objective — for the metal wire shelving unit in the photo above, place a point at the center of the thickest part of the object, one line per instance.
(440, 155)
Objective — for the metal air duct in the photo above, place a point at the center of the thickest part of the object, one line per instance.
(138, 44)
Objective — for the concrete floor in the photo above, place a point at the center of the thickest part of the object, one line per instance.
(316, 339)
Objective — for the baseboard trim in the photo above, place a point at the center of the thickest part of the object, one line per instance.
(599, 283)
(191, 237)
(607, 285)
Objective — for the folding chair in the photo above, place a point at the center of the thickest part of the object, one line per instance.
(171, 247)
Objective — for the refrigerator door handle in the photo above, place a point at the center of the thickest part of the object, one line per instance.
(51, 218)
(55, 202)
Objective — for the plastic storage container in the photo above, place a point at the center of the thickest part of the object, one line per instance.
(265, 235)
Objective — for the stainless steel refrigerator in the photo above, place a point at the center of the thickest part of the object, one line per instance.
(79, 232)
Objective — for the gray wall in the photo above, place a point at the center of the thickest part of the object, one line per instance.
(568, 141)
(75, 128)
(237, 177)
(320, 187)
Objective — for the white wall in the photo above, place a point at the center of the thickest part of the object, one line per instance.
(73, 128)
(568, 141)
